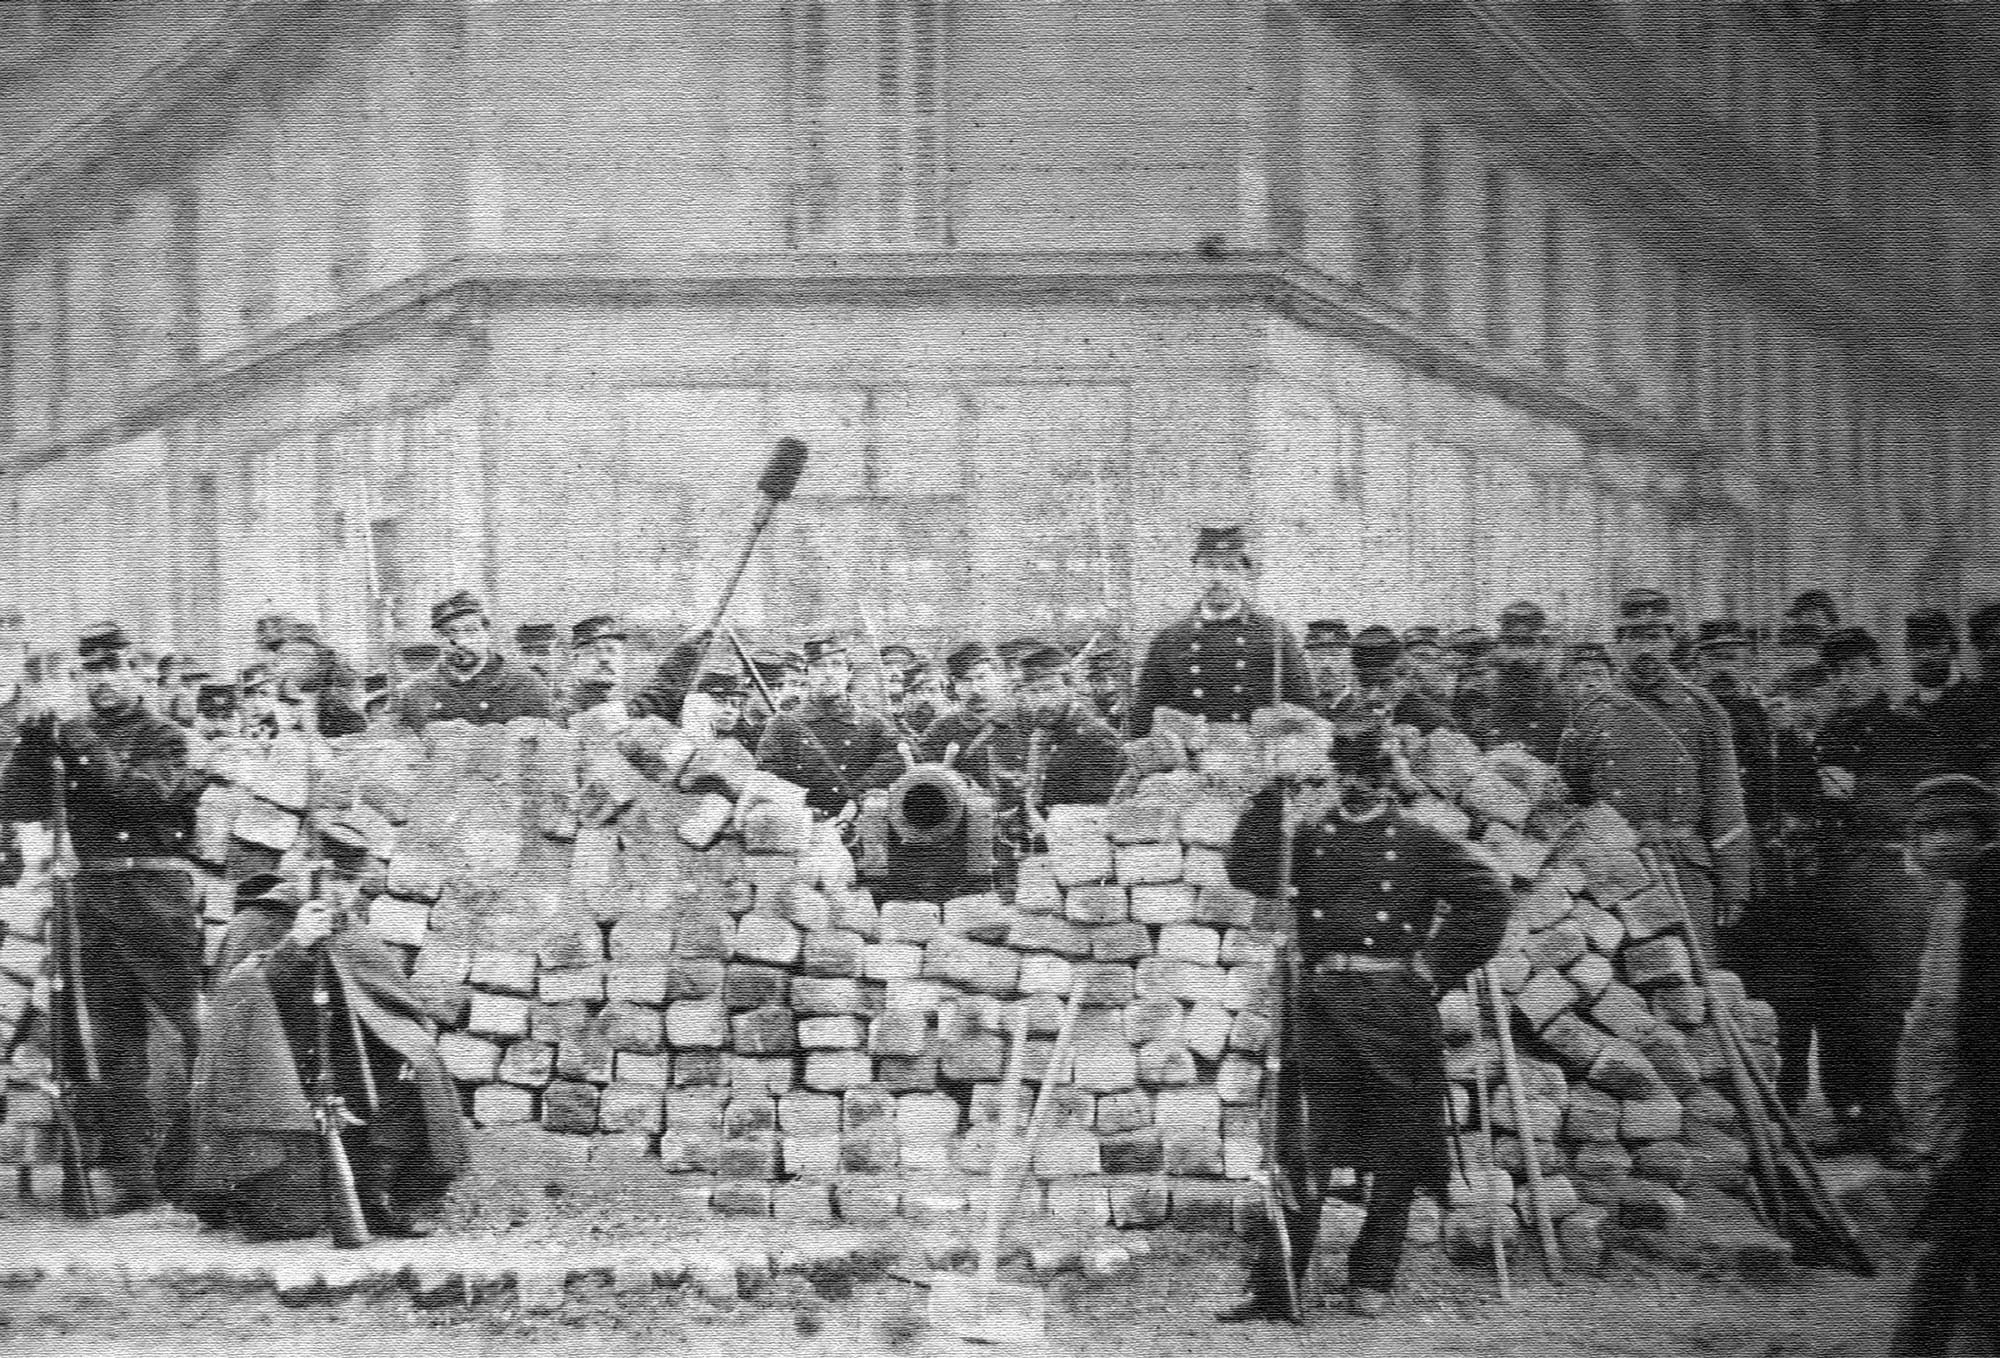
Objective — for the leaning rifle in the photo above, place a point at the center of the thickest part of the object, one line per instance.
(69, 1009)
(331, 1117)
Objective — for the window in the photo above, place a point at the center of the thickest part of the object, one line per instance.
(1555, 302)
(912, 169)
(1434, 300)
(810, 187)
(1494, 241)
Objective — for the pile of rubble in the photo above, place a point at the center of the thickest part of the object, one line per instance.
(646, 956)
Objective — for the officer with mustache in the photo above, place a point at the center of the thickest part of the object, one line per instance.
(1658, 751)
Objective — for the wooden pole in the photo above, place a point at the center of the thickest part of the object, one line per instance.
(1531, 1155)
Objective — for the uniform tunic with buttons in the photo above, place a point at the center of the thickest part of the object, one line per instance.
(1665, 760)
(130, 795)
(833, 749)
(1368, 1045)
(1219, 669)
(1525, 710)
(497, 692)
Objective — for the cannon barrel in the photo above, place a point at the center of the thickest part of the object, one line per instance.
(927, 804)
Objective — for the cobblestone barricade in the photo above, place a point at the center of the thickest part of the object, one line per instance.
(645, 959)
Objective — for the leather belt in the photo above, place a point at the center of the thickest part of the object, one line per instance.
(1334, 963)
(155, 863)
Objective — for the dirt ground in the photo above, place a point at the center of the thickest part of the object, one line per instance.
(1673, 1295)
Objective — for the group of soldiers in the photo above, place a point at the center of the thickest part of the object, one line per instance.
(1774, 771)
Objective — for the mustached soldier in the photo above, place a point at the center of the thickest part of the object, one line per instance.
(1373, 950)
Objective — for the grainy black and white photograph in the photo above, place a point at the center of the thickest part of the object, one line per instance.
(921, 678)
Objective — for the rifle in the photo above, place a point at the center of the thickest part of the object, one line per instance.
(331, 1118)
(66, 985)
(1274, 1182)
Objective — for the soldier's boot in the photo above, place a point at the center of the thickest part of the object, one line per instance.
(1265, 1297)
(386, 1213)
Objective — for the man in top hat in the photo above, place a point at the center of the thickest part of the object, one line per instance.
(473, 682)
(1955, 837)
(256, 1159)
(830, 747)
(130, 793)
(1329, 651)
(1217, 662)
(1658, 751)
(1073, 756)
(1388, 913)
(1931, 639)
(1527, 706)
(1873, 754)
(1375, 653)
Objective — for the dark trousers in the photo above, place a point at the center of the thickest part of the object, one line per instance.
(1377, 1253)
(1881, 913)
(127, 976)
(1948, 1282)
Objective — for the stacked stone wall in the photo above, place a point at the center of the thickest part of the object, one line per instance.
(646, 959)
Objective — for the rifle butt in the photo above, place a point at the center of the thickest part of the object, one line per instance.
(343, 1198)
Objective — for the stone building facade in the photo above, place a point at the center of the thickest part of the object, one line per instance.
(338, 306)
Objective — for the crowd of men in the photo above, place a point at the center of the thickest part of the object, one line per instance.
(1772, 768)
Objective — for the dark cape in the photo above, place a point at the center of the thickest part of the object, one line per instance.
(1963, 1210)
(254, 1152)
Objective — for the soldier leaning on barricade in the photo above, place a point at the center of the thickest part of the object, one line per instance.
(1658, 751)
(472, 681)
(834, 749)
(1217, 661)
(129, 792)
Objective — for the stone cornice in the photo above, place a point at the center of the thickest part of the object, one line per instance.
(462, 297)
(1775, 237)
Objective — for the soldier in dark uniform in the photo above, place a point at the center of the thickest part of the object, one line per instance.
(1329, 648)
(13, 706)
(830, 747)
(535, 644)
(1658, 751)
(1388, 911)
(597, 650)
(1588, 670)
(1873, 754)
(782, 675)
(1472, 678)
(1107, 674)
(1970, 714)
(979, 735)
(1376, 689)
(923, 697)
(1931, 640)
(473, 682)
(1073, 756)
(1528, 708)
(1424, 683)
(1216, 663)
(1723, 661)
(131, 794)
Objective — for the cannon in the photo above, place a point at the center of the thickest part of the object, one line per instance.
(929, 836)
